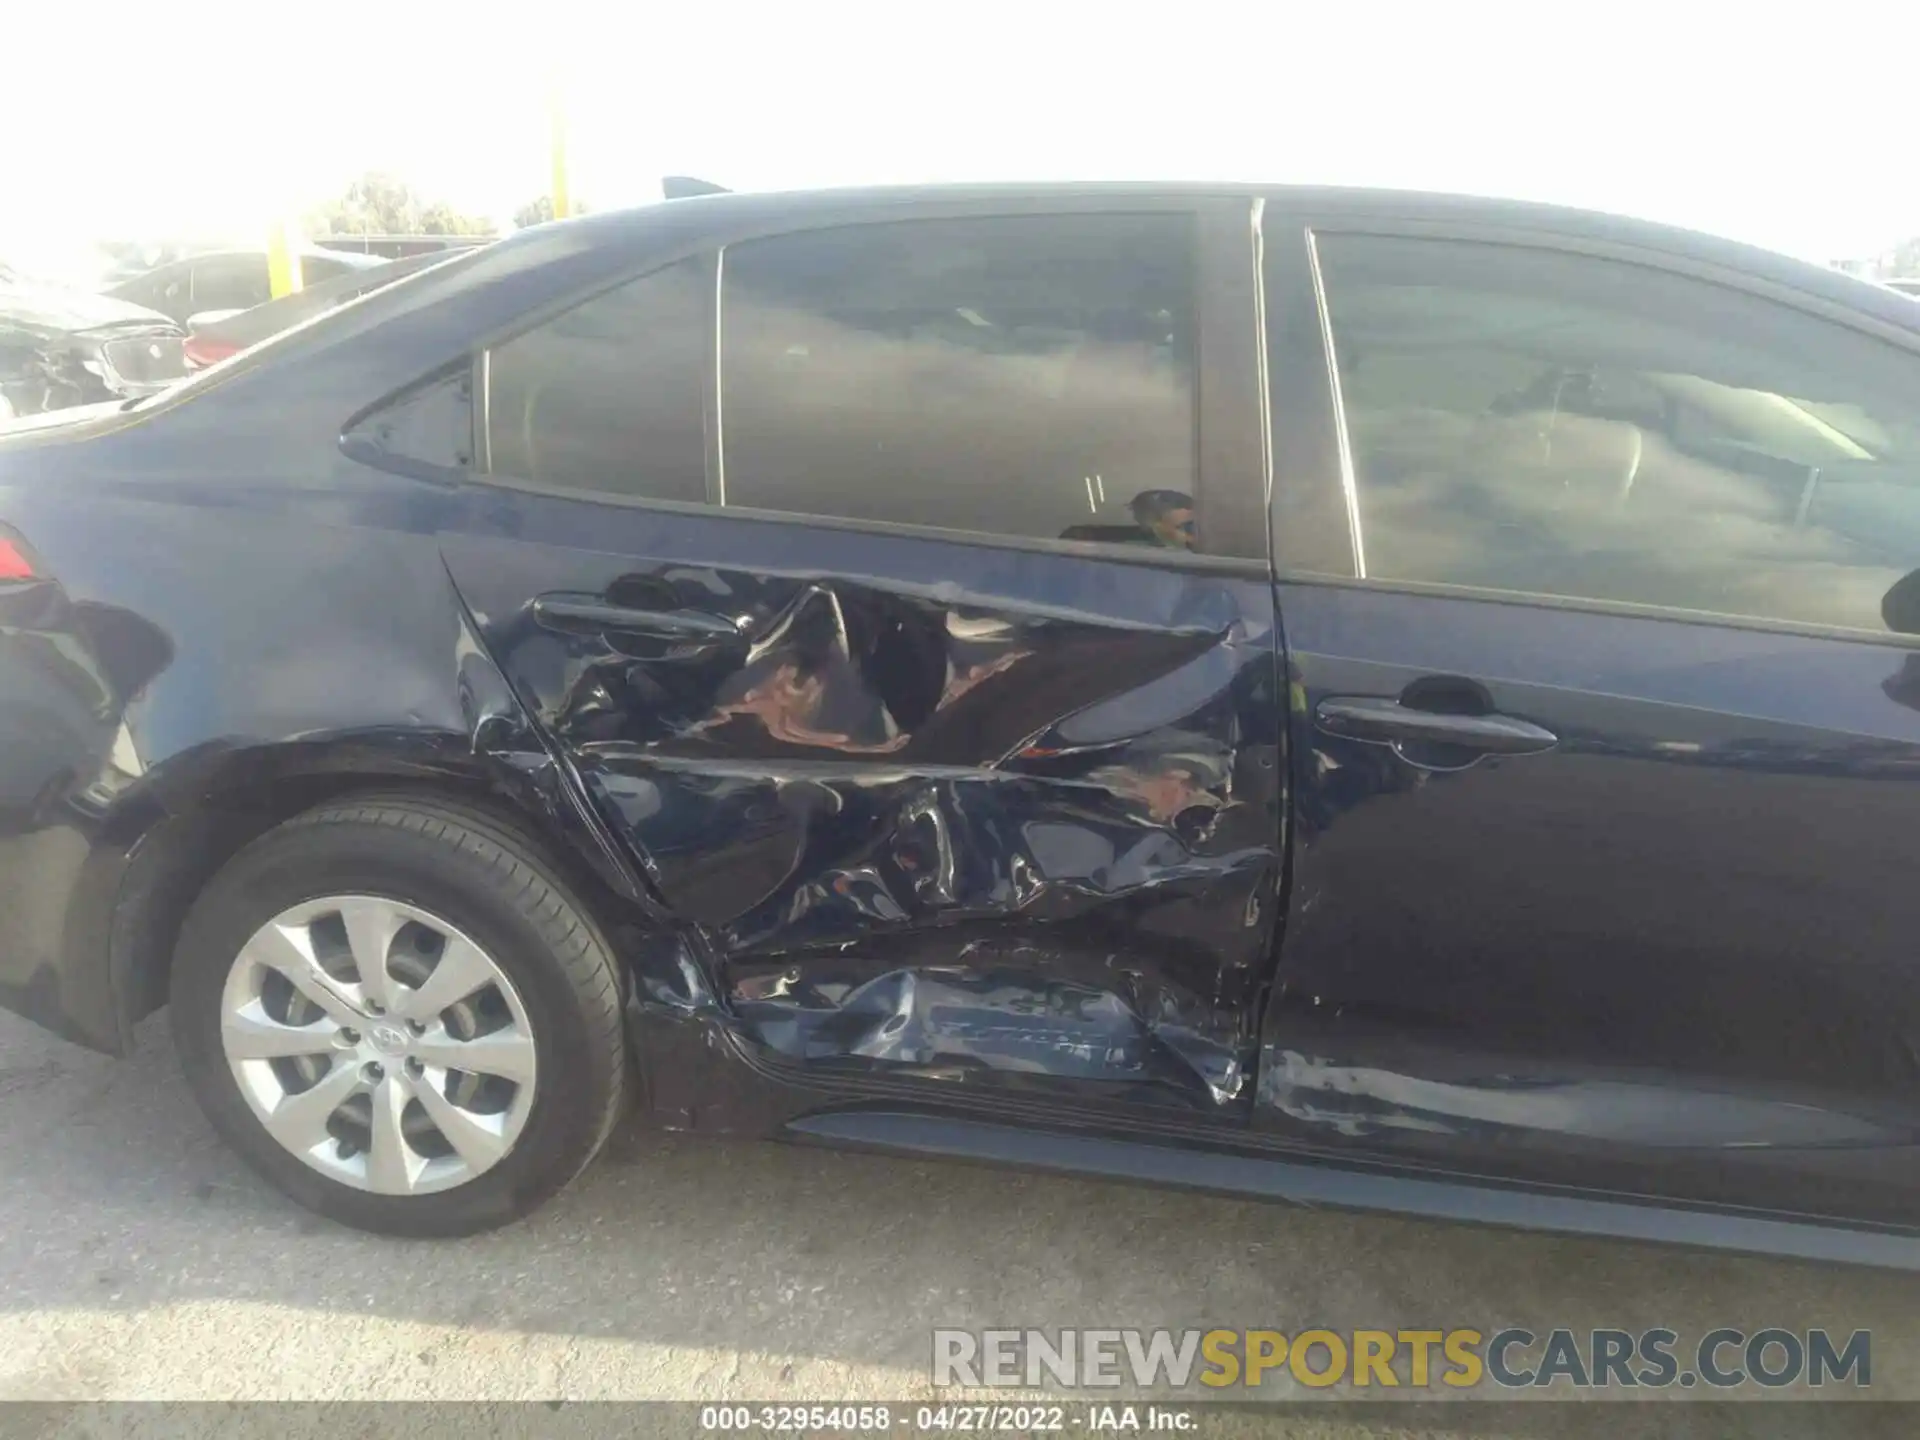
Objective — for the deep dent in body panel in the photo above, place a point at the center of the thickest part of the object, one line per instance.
(913, 836)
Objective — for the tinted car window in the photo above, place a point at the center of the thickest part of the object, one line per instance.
(317, 268)
(231, 282)
(167, 289)
(608, 396)
(1531, 421)
(1022, 376)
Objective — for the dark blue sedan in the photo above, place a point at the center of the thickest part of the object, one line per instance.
(1370, 699)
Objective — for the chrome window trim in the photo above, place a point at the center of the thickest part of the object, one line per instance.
(1348, 485)
(719, 382)
(1257, 217)
(483, 411)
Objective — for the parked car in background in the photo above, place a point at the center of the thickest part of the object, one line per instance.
(61, 347)
(1380, 700)
(121, 260)
(212, 338)
(1905, 284)
(227, 280)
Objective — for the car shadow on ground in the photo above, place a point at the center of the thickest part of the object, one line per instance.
(766, 1265)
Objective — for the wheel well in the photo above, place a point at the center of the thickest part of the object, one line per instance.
(157, 895)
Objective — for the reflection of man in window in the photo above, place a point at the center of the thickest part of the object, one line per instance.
(1166, 515)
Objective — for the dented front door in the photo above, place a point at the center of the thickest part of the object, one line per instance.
(969, 808)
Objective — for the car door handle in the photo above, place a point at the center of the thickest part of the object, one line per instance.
(1372, 717)
(577, 614)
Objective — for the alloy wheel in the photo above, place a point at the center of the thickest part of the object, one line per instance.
(378, 1044)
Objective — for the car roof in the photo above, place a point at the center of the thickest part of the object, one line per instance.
(749, 208)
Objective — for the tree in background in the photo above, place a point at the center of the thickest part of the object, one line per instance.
(382, 204)
(441, 218)
(538, 212)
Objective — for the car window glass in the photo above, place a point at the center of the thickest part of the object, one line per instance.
(316, 268)
(167, 289)
(231, 282)
(1023, 376)
(609, 395)
(1531, 421)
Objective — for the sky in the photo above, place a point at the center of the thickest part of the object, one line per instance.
(1787, 125)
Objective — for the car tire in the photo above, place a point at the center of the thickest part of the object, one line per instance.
(427, 866)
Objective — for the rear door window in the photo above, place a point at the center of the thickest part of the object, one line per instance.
(1029, 375)
(231, 282)
(168, 289)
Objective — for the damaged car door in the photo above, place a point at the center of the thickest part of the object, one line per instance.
(1597, 577)
(897, 589)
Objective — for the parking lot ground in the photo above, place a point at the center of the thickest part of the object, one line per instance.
(140, 1260)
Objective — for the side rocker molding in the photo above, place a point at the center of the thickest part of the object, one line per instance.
(901, 1132)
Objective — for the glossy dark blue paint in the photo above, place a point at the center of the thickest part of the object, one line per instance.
(1046, 832)
(244, 653)
(1672, 951)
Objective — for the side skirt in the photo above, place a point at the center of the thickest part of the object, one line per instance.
(909, 1133)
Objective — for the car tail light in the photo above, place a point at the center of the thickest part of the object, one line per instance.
(14, 564)
(204, 350)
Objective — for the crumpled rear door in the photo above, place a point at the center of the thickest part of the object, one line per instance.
(1022, 822)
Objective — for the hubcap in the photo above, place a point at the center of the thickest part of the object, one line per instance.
(379, 1044)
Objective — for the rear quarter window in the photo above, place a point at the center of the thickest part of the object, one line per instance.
(609, 396)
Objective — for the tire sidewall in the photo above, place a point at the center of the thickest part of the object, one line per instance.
(299, 864)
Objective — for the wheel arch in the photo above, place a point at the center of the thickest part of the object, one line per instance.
(246, 794)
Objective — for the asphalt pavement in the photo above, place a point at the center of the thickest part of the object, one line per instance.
(140, 1260)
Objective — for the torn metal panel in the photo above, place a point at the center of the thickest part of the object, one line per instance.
(1025, 820)
(992, 1007)
(818, 857)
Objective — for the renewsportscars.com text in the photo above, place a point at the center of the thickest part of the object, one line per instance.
(1461, 1358)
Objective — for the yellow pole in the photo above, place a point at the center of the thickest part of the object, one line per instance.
(283, 265)
(562, 201)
